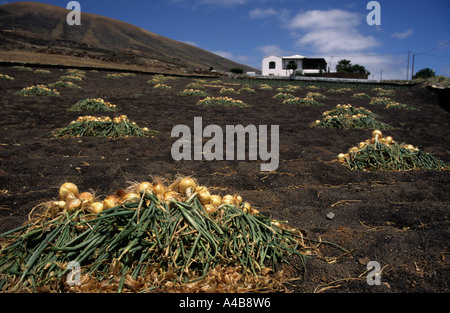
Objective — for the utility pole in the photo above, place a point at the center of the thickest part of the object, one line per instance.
(412, 71)
(407, 69)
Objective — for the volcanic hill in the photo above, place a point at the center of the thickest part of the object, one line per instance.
(38, 33)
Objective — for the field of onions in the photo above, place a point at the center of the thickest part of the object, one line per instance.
(363, 177)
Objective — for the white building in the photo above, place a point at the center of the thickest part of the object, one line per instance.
(275, 65)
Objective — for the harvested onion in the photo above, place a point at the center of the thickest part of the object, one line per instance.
(68, 190)
(187, 186)
(228, 199)
(131, 197)
(110, 202)
(86, 197)
(74, 204)
(377, 134)
(97, 207)
(204, 196)
(145, 187)
(215, 200)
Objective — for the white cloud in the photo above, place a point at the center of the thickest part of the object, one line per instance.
(335, 18)
(270, 49)
(337, 40)
(262, 13)
(224, 54)
(191, 43)
(403, 35)
(331, 31)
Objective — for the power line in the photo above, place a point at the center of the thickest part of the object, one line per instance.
(435, 48)
(437, 56)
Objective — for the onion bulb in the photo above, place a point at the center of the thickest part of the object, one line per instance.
(145, 187)
(131, 197)
(110, 202)
(74, 204)
(60, 204)
(68, 189)
(86, 197)
(97, 207)
(341, 156)
(353, 150)
(187, 186)
(210, 209)
(159, 189)
(247, 207)
(228, 199)
(377, 134)
(389, 140)
(238, 199)
(204, 196)
(215, 200)
(170, 195)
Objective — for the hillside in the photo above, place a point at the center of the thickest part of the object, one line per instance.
(42, 29)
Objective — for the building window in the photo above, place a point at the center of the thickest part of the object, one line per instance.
(272, 65)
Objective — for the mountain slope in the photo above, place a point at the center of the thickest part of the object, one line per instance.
(39, 27)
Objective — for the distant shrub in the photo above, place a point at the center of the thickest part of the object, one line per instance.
(237, 70)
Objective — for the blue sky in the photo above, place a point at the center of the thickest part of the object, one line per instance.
(247, 30)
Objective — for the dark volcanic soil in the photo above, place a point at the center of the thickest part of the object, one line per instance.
(399, 219)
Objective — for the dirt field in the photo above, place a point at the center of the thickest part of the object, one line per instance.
(398, 219)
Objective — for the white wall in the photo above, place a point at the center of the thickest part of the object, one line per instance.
(278, 71)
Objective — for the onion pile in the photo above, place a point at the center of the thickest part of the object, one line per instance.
(119, 126)
(97, 104)
(39, 90)
(383, 153)
(149, 237)
(349, 117)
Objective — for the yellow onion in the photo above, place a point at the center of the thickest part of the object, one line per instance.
(60, 204)
(74, 204)
(170, 195)
(377, 134)
(215, 200)
(204, 196)
(389, 140)
(353, 150)
(68, 189)
(210, 209)
(159, 189)
(110, 202)
(247, 207)
(362, 144)
(97, 207)
(86, 197)
(131, 197)
(341, 156)
(145, 187)
(187, 186)
(275, 223)
(228, 199)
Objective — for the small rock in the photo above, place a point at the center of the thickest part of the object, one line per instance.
(331, 215)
